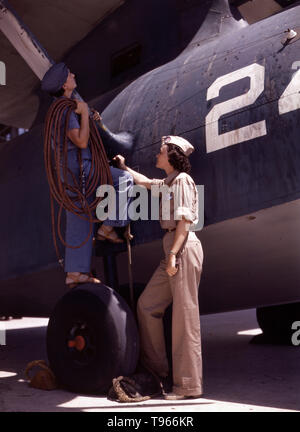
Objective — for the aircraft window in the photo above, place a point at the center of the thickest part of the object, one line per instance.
(7, 133)
(125, 59)
(256, 10)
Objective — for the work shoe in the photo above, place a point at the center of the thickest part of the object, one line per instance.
(175, 396)
(108, 233)
(75, 278)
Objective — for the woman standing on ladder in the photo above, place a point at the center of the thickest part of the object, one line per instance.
(60, 83)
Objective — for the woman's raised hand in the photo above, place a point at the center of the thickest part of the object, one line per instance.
(120, 160)
(96, 116)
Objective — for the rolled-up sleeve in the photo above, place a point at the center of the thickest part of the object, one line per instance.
(185, 199)
(73, 122)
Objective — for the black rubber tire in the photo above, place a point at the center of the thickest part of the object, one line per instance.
(276, 321)
(111, 336)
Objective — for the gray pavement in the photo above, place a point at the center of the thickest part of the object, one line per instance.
(238, 376)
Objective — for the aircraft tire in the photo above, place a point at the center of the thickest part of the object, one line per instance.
(92, 338)
(276, 322)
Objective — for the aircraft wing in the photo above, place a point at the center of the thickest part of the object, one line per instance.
(58, 25)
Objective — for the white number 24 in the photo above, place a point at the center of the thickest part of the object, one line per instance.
(289, 101)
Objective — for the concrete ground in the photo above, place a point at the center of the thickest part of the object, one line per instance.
(238, 376)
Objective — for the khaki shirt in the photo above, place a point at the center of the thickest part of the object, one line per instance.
(179, 198)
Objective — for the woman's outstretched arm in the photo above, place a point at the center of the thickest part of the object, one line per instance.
(138, 178)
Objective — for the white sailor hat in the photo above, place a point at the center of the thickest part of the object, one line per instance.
(180, 142)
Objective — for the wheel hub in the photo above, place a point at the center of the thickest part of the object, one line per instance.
(81, 343)
(78, 343)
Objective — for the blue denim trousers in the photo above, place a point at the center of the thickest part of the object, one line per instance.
(77, 229)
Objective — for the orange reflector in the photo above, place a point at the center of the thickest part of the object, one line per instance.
(78, 343)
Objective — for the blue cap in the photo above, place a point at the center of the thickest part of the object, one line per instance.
(55, 78)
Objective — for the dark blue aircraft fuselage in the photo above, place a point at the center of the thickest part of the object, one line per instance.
(236, 98)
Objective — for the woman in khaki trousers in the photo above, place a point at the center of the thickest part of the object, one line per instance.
(177, 277)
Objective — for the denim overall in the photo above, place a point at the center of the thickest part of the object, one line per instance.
(77, 229)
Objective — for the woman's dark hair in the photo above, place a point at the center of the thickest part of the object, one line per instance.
(178, 159)
(59, 93)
